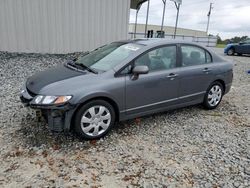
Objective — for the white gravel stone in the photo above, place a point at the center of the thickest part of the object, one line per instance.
(188, 147)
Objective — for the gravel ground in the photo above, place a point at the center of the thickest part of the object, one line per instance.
(189, 147)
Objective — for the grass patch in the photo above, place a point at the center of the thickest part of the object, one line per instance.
(220, 45)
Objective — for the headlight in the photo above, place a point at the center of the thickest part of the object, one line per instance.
(40, 99)
(49, 99)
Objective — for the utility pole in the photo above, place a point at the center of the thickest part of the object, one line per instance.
(162, 23)
(146, 26)
(135, 26)
(208, 15)
(177, 5)
(137, 11)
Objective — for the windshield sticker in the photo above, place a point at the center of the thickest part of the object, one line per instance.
(133, 48)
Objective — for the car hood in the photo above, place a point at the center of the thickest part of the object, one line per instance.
(45, 78)
(232, 44)
(228, 46)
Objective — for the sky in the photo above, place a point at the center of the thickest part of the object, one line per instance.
(229, 18)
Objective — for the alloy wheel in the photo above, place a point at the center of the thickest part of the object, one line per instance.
(230, 52)
(95, 120)
(214, 95)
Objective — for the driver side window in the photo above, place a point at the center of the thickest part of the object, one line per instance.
(163, 58)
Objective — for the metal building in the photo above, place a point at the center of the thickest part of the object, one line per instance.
(168, 30)
(61, 26)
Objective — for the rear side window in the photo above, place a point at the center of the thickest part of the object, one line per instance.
(192, 55)
(208, 57)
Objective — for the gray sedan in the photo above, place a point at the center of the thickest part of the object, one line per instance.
(124, 80)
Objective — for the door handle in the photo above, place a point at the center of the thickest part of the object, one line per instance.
(172, 76)
(207, 70)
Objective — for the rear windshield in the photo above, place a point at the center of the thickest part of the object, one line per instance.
(107, 57)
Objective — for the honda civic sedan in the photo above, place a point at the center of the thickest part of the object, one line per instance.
(124, 80)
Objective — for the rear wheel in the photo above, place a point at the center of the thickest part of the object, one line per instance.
(230, 51)
(213, 95)
(94, 120)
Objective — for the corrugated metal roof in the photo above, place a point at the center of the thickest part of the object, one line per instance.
(134, 4)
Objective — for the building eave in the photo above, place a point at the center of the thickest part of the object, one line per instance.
(135, 4)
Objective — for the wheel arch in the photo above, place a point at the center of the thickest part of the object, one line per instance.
(105, 98)
(221, 82)
(233, 48)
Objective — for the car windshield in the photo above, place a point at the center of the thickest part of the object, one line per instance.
(107, 57)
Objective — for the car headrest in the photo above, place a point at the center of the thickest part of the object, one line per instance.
(184, 55)
(195, 55)
(168, 53)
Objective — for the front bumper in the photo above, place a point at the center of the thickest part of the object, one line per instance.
(58, 116)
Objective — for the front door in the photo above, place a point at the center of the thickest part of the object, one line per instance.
(156, 89)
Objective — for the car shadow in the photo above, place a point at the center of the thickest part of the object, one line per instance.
(35, 133)
(242, 55)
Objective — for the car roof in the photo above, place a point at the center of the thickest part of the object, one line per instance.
(158, 41)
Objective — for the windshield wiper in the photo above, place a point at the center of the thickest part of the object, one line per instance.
(72, 63)
(78, 65)
(86, 67)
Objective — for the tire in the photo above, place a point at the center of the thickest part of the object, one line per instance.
(213, 96)
(230, 51)
(239, 54)
(94, 120)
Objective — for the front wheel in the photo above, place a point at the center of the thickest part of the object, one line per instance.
(94, 120)
(230, 51)
(213, 96)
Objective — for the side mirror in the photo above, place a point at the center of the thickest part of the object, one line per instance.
(137, 70)
(140, 69)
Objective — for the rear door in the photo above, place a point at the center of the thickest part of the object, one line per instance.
(243, 48)
(159, 87)
(246, 47)
(196, 72)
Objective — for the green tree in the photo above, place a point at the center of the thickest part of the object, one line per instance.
(220, 41)
(238, 39)
(235, 39)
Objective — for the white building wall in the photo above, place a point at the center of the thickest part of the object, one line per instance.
(61, 26)
(168, 30)
(188, 35)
